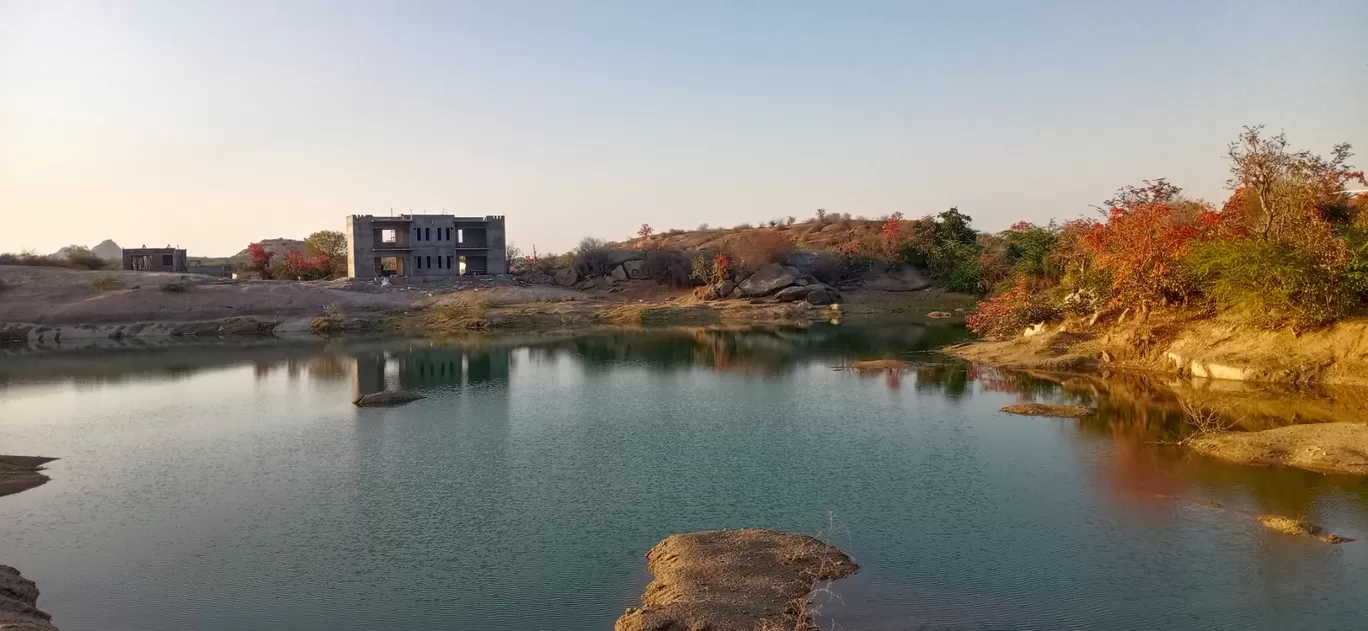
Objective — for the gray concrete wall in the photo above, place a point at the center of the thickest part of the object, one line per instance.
(431, 245)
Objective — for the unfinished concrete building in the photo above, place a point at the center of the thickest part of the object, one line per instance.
(425, 247)
(154, 259)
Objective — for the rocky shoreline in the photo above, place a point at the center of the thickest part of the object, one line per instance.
(18, 595)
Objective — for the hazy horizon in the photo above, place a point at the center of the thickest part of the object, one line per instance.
(209, 125)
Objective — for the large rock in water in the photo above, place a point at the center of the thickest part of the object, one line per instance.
(765, 281)
(900, 277)
(733, 580)
(387, 398)
(19, 603)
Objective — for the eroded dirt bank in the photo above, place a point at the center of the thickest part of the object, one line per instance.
(1323, 447)
(1180, 344)
(19, 596)
(21, 473)
(734, 580)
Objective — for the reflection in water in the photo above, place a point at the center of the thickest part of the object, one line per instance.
(523, 492)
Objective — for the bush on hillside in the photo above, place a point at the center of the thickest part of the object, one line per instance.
(671, 267)
(80, 257)
(31, 259)
(1273, 284)
(1010, 312)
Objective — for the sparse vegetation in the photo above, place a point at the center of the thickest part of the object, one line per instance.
(106, 282)
(178, 286)
(1288, 248)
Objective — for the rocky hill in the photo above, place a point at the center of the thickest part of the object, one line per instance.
(277, 247)
(814, 235)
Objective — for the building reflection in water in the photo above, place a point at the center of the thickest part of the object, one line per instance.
(428, 368)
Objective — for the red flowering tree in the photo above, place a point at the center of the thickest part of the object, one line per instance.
(261, 260)
(300, 266)
(1147, 233)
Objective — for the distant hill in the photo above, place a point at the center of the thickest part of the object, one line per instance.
(107, 250)
(277, 247)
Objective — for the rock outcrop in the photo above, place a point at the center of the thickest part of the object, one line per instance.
(1324, 447)
(19, 603)
(765, 281)
(566, 277)
(733, 580)
(387, 398)
(900, 277)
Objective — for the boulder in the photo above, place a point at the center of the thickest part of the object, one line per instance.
(819, 296)
(726, 289)
(766, 280)
(619, 273)
(618, 257)
(792, 294)
(387, 398)
(900, 277)
(566, 277)
(806, 262)
(636, 270)
(803, 282)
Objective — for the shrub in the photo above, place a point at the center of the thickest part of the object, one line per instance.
(1143, 242)
(1273, 283)
(178, 286)
(300, 266)
(756, 249)
(32, 259)
(590, 245)
(80, 257)
(260, 260)
(1010, 312)
(669, 266)
(106, 282)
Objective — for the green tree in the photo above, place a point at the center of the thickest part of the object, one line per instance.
(330, 243)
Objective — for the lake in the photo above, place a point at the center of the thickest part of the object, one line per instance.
(216, 486)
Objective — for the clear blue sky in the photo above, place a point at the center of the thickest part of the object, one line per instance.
(212, 124)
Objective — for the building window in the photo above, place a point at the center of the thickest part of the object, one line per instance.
(427, 234)
(448, 237)
(448, 261)
(439, 262)
(418, 262)
(460, 236)
(429, 262)
(166, 260)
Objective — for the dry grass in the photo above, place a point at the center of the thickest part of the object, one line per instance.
(459, 312)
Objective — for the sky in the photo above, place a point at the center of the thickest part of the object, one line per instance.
(209, 125)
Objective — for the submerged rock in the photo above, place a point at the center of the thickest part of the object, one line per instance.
(1299, 528)
(387, 398)
(1041, 409)
(733, 580)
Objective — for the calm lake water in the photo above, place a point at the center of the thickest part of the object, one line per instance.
(236, 487)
